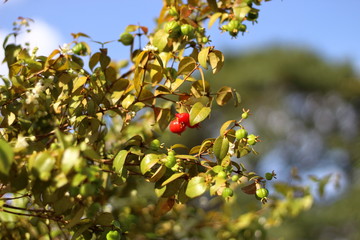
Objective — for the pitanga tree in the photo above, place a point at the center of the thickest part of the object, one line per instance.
(80, 149)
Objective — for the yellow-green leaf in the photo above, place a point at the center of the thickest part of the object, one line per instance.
(149, 161)
(216, 59)
(221, 147)
(79, 82)
(196, 187)
(198, 113)
(119, 161)
(203, 56)
(223, 95)
(6, 157)
(186, 65)
(160, 40)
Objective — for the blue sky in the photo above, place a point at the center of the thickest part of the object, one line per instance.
(328, 27)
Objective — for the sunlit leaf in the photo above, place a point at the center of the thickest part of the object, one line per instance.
(6, 157)
(198, 113)
(186, 65)
(221, 147)
(196, 187)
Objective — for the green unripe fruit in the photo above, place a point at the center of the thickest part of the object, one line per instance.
(234, 25)
(240, 134)
(173, 28)
(244, 115)
(227, 192)
(113, 235)
(126, 38)
(222, 174)
(242, 28)
(252, 16)
(171, 153)
(170, 161)
(155, 144)
(173, 12)
(251, 139)
(262, 193)
(187, 29)
(80, 49)
(268, 176)
(204, 40)
(235, 178)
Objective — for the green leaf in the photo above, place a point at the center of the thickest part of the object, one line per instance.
(6, 157)
(213, 18)
(216, 59)
(173, 177)
(221, 147)
(158, 174)
(203, 56)
(126, 103)
(71, 157)
(42, 164)
(225, 126)
(160, 40)
(223, 96)
(79, 82)
(95, 58)
(186, 65)
(198, 113)
(119, 161)
(149, 161)
(196, 187)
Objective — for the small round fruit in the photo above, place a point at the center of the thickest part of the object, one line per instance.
(177, 127)
(173, 28)
(269, 176)
(79, 49)
(235, 178)
(252, 16)
(170, 161)
(204, 40)
(227, 192)
(251, 139)
(183, 117)
(242, 28)
(155, 144)
(113, 235)
(234, 25)
(222, 174)
(187, 29)
(126, 38)
(240, 134)
(262, 193)
(244, 115)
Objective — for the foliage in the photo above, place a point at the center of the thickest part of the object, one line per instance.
(79, 149)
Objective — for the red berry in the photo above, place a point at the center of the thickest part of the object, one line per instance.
(184, 118)
(177, 127)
